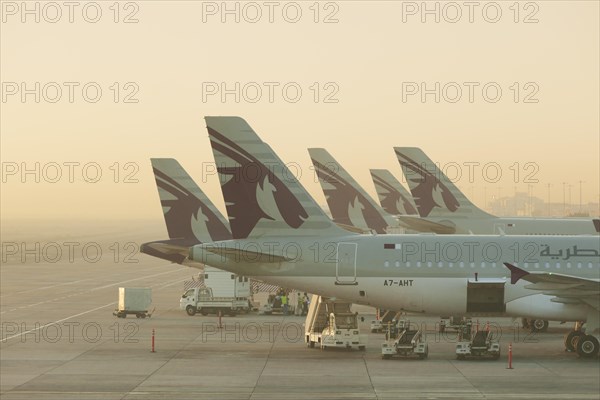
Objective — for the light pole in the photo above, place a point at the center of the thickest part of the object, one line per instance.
(570, 201)
(580, 192)
(548, 207)
(564, 199)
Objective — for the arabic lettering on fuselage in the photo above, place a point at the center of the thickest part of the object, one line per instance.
(565, 254)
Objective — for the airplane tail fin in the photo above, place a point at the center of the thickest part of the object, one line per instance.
(189, 215)
(347, 200)
(393, 197)
(434, 194)
(262, 196)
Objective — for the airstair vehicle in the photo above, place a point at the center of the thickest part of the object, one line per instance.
(330, 323)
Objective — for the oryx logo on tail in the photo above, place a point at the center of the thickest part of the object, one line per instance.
(184, 211)
(429, 192)
(391, 199)
(252, 191)
(346, 203)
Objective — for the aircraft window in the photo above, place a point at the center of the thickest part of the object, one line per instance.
(462, 264)
(386, 264)
(397, 263)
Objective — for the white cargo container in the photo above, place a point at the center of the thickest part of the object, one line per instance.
(134, 301)
(226, 284)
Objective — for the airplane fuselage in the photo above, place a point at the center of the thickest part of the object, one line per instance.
(509, 226)
(425, 273)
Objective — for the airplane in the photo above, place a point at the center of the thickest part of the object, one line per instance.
(348, 202)
(351, 206)
(439, 201)
(393, 197)
(287, 240)
(191, 218)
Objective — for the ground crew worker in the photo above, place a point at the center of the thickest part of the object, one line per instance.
(299, 304)
(284, 303)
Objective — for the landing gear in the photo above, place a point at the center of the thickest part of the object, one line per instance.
(539, 325)
(571, 340)
(588, 346)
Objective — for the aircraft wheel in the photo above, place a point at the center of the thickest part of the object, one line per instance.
(588, 346)
(539, 325)
(571, 340)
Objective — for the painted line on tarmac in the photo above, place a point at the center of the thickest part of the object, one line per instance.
(90, 290)
(56, 322)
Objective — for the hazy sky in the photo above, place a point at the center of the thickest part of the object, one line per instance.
(360, 80)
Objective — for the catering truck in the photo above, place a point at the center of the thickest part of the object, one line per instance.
(221, 291)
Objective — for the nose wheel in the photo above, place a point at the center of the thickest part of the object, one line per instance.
(571, 340)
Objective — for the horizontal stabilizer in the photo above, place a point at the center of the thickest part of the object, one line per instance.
(419, 224)
(174, 250)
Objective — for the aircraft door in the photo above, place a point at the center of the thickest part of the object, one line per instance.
(345, 271)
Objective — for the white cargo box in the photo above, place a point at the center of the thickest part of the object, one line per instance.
(134, 299)
(226, 284)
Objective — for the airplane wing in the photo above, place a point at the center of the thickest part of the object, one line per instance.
(566, 288)
(422, 225)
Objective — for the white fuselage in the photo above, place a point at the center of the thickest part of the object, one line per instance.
(430, 274)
